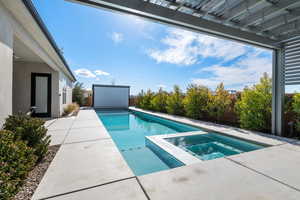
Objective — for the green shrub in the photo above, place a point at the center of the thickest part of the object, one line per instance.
(159, 101)
(195, 101)
(16, 160)
(254, 107)
(144, 100)
(31, 130)
(296, 103)
(219, 103)
(175, 102)
(296, 109)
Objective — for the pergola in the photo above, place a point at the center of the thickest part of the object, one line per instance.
(271, 24)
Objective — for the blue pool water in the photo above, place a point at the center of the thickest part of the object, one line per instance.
(128, 130)
(211, 146)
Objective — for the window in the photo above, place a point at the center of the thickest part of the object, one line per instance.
(64, 95)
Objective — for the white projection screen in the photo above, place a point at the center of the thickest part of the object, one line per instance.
(111, 96)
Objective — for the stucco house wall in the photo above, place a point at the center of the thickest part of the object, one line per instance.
(19, 21)
(6, 63)
(64, 82)
(22, 86)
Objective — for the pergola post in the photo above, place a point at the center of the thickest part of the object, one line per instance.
(278, 90)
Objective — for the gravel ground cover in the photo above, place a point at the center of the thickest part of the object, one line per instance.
(36, 175)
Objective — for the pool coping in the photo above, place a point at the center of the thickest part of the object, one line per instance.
(178, 153)
(251, 136)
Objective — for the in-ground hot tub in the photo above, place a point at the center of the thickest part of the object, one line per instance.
(212, 145)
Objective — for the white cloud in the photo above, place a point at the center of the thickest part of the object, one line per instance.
(86, 73)
(101, 73)
(88, 88)
(245, 72)
(186, 48)
(82, 72)
(117, 37)
(161, 86)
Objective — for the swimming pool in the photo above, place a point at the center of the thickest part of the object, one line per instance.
(128, 130)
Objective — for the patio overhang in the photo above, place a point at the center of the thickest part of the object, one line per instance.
(28, 20)
(272, 24)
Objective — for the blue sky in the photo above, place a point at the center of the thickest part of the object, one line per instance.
(104, 47)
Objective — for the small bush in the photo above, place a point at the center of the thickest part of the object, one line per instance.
(175, 102)
(16, 160)
(219, 103)
(144, 100)
(159, 101)
(73, 107)
(195, 101)
(31, 130)
(254, 107)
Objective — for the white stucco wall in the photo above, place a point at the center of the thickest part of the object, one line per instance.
(15, 78)
(64, 82)
(6, 63)
(111, 97)
(22, 86)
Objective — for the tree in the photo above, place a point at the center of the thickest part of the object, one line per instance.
(195, 101)
(175, 102)
(159, 101)
(78, 93)
(254, 107)
(219, 103)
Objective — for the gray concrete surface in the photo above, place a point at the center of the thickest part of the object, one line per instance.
(121, 190)
(49, 121)
(61, 124)
(279, 162)
(294, 147)
(214, 180)
(87, 134)
(86, 123)
(88, 114)
(57, 136)
(81, 165)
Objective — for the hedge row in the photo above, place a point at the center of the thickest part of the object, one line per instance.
(249, 109)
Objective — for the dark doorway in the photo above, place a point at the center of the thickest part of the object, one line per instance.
(41, 94)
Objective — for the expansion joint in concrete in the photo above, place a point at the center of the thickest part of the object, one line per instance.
(86, 188)
(265, 175)
(147, 196)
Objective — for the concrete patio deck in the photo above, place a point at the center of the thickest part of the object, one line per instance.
(89, 166)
